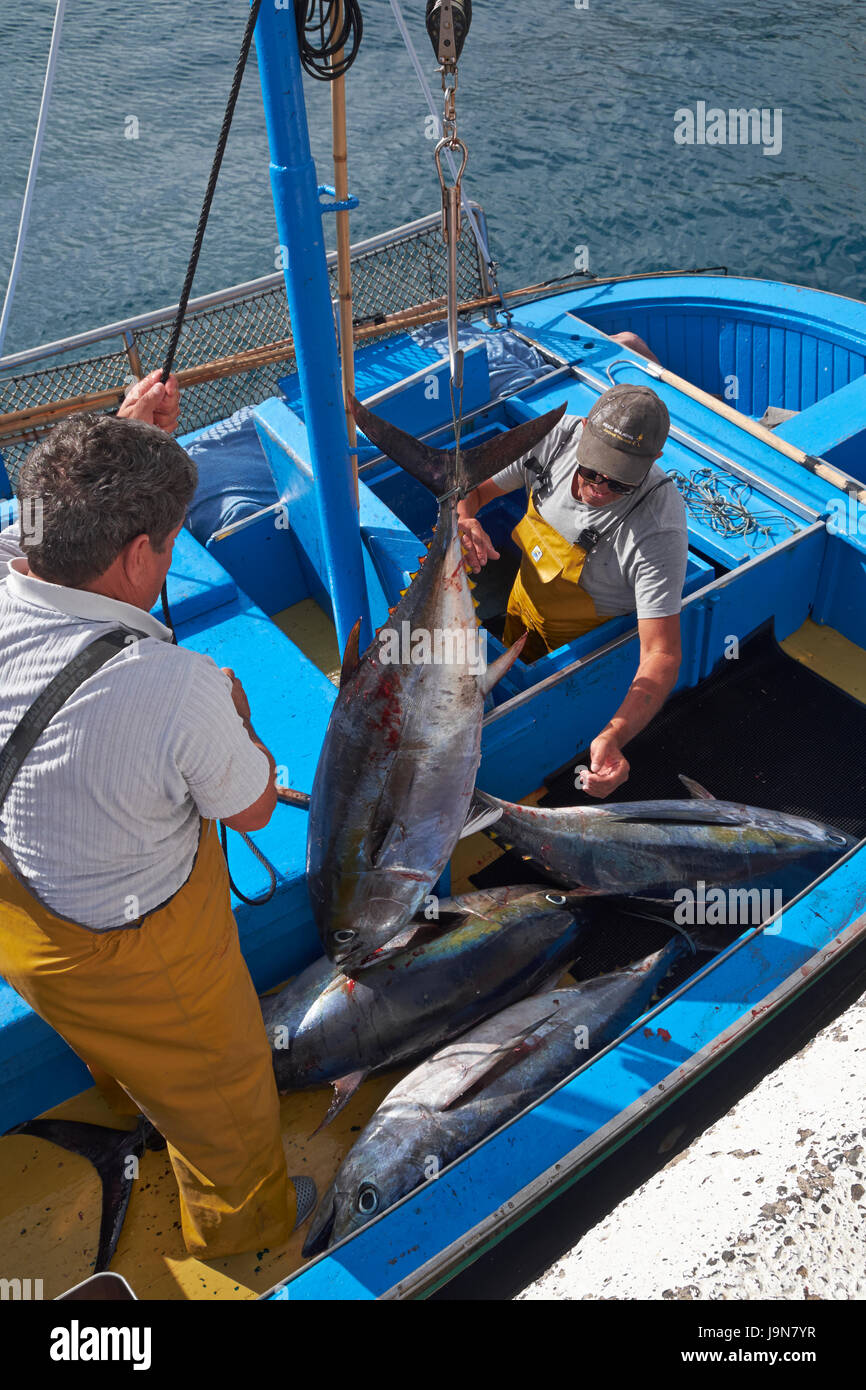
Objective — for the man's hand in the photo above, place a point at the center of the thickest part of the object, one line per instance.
(239, 695)
(150, 401)
(654, 680)
(476, 543)
(608, 768)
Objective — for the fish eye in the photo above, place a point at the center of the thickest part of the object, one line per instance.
(342, 937)
(368, 1199)
(556, 898)
(837, 839)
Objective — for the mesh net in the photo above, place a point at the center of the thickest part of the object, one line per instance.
(406, 271)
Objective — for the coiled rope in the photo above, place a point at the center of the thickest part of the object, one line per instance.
(317, 58)
(719, 500)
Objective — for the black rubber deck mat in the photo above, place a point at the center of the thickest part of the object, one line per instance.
(764, 730)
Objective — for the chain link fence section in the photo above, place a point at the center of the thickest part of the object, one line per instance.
(403, 272)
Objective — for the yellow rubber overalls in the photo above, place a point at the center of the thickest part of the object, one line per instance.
(547, 600)
(167, 1009)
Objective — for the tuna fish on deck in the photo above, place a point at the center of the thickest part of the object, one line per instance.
(435, 980)
(469, 1088)
(658, 847)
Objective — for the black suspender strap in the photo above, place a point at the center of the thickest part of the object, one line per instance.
(36, 719)
(589, 537)
(541, 486)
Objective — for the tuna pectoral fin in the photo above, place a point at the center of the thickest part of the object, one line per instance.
(351, 656)
(479, 818)
(344, 1088)
(501, 665)
(695, 789)
(500, 1060)
(109, 1150)
(437, 468)
(319, 1232)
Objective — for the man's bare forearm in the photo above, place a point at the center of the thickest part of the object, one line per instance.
(254, 738)
(654, 680)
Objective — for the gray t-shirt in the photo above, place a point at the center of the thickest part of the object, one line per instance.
(641, 565)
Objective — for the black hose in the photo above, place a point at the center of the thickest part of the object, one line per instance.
(319, 39)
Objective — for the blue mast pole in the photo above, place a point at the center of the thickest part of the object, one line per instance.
(299, 227)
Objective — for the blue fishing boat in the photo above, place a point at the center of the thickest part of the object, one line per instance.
(765, 384)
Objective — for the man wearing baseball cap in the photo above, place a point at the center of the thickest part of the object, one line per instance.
(604, 534)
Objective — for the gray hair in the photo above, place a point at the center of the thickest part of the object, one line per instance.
(99, 482)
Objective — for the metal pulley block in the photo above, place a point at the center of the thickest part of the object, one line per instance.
(448, 24)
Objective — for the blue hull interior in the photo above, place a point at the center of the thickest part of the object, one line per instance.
(791, 347)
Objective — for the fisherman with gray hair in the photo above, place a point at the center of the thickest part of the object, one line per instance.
(119, 751)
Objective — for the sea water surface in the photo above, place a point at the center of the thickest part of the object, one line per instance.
(569, 113)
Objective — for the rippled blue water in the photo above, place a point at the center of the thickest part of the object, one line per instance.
(568, 114)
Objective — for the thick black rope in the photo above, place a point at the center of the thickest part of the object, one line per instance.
(172, 349)
(211, 186)
(200, 230)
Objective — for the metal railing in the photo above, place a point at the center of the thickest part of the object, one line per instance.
(237, 340)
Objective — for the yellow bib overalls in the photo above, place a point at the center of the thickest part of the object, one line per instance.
(167, 1009)
(547, 600)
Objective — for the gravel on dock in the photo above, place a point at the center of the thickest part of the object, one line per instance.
(768, 1203)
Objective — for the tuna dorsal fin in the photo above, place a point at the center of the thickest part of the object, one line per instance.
(108, 1150)
(500, 1060)
(695, 789)
(497, 669)
(344, 1088)
(351, 656)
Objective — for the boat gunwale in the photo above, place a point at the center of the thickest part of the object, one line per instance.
(627, 1122)
(245, 289)
(755, 1012)
(580, 663)
(747, 279)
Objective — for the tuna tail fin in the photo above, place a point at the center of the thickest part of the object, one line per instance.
(109, 1151)
(437, 468)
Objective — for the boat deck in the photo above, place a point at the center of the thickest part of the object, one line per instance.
(50, 1199)
(253, 599)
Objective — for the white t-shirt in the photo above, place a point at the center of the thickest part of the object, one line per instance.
(639, 566)
(102, 819)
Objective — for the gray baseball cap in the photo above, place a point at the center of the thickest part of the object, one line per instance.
(624, 431)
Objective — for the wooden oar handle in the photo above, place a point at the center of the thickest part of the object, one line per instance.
(745, 422)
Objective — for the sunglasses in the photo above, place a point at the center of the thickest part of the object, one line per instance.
(592, 476)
